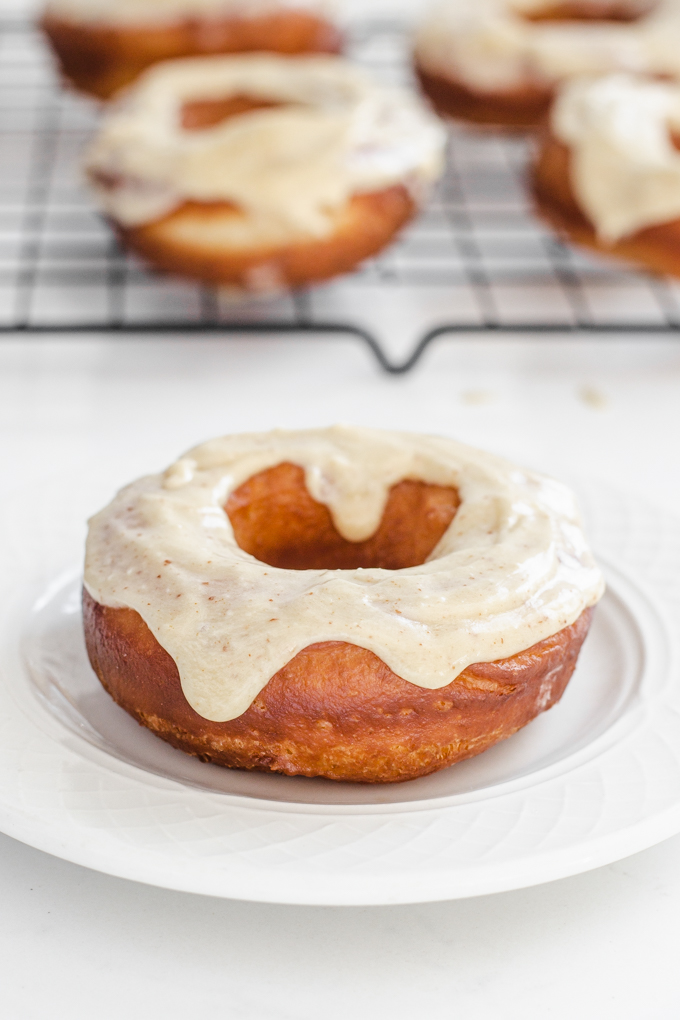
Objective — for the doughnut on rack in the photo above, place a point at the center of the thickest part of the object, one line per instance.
(476, 263)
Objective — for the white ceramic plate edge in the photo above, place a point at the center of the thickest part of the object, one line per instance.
(313, 859)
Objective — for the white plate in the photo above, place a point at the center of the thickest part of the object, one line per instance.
(592, 780)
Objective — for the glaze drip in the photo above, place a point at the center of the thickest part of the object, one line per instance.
(625, 166)
(512, 568)
(289, 168)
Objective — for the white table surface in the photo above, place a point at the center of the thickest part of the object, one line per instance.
(76, 944)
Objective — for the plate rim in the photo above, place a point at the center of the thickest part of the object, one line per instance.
(240, 878)
(32, 703)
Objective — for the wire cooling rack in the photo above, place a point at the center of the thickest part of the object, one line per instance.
(476, 261)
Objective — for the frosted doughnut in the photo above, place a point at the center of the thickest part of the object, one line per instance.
(103, 45)
(226, 573)
(315, 169)
(608, 171)
(499, 61)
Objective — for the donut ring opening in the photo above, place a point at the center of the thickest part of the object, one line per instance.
(656, 247)
(206, 113)
(335, 709)
(276, 520)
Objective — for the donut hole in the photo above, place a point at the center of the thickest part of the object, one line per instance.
(674, 135)
(200, 114)
(277, 521)
(585, 10)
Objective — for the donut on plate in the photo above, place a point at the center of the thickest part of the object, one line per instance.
(103, 45)
(262, 172)
(498, 62)
(361, 605)
(607, 172)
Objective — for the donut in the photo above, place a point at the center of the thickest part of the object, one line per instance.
(104, 45)
(360, 605)
(607, 171)
(498, 62)
(261, 172)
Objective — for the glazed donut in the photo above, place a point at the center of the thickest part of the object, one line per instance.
(262, 172)
(361, 605)
(499, 62)
(607, 173)
(104, 45)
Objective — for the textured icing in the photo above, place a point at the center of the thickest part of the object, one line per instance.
(288, 168)
(512, 569)
(625, 171)
(491, 47)
(153, 12)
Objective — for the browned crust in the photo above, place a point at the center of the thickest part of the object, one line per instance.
(335, 709)
(519, 108)
(656, 248)
(617, 11)
(363, 227)
(100, 60)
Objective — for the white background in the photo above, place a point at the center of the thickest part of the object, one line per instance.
(75, 944)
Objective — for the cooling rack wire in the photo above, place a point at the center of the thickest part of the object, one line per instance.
(475, 262)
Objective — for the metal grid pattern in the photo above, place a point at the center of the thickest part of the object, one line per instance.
(476, 260)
